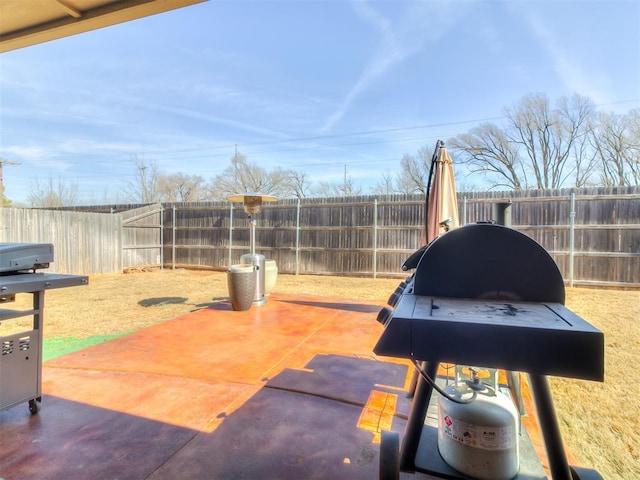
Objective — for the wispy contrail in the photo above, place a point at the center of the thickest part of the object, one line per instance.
(422, 23)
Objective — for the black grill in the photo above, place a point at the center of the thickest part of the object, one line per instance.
(490, 296)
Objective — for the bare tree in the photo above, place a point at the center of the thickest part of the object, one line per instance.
(243, 176)
(180, 187)
(616, 141)
(53, 194)
(486, 149)
(412, 177)
(576, 118)
(344, 188)
(4, 200)
(633, 118)
(238, 178)
(285, 183)
(585, 159)
(144, 187)
(385, 186)
(547, 135)
(300, 186)
(544, 144)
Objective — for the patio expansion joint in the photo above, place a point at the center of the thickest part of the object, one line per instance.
(170, 457)
(396, 413)
(155, 374)
(316, 395)
(297, 347)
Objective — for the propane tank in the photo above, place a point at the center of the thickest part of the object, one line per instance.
(481, 438)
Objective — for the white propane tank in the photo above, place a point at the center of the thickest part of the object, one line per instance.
(480, 438)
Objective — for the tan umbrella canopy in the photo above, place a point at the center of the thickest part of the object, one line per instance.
(442, 202)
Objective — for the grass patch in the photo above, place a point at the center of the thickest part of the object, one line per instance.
(55, 347)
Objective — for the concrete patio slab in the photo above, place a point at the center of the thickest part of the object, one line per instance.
(279, 391)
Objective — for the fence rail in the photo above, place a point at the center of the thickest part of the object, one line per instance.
(593, 234)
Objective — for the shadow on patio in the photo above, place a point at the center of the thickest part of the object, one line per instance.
(287, 390)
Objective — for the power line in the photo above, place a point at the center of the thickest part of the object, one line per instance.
(165, 152)
(208, 151)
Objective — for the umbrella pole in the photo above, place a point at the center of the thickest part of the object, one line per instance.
(434, 157)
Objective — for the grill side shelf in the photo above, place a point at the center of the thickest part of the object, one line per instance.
(539, 338)
(35, 282)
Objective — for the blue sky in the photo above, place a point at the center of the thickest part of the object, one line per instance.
(314, 86)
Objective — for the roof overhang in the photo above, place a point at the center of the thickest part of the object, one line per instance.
(28, 22)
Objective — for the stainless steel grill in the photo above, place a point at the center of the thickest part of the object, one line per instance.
(21, 353)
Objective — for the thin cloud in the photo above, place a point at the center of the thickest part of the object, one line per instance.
(574, 78)
(421, 24)
(193, 114)
(389, 53)
(34, 157)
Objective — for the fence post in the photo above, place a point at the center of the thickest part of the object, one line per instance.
(502, 213)
(464, 210)
(121, 228)
(173, 238)
(230, 232)
(572, 233)
(161, 238)
(375, 238)
(297, 236)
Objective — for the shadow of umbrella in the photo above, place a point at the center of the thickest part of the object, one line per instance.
(339, 306)
(154, 302)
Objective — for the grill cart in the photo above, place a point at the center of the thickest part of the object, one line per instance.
(484, 295)
(21, 355)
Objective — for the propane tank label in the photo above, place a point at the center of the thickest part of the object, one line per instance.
(486, 438)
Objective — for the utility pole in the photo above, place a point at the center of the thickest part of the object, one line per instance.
(145, 195)
(344, 185)
(2, 163)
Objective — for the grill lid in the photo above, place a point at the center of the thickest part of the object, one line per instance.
(15, 257)
(491, 262)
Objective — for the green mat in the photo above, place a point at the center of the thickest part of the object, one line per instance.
(54, 347)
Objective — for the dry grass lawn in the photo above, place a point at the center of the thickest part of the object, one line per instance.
(600, 422)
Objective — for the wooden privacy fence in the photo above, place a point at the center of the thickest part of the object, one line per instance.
(89, 242)
(84, 242)
(593, 234)
(343, 236)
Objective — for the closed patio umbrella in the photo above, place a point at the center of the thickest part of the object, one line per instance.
(442, 201)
